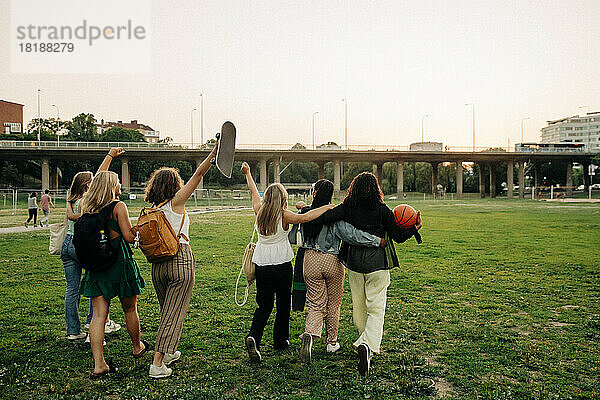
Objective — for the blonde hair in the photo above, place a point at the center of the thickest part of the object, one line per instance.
(271, 209)
(102, 191)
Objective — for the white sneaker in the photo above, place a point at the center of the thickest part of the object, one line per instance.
(253, 352)
(87, 340)
(111, 326)
(80, 335)
(160, 372)
(332, 348)
(169, 358)
(87, 327)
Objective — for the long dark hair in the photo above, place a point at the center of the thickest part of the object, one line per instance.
(364, 192)
(322, 193)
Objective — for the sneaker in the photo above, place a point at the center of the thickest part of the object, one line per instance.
(160, 372)
(332, 348)
(87, 340)
(364, 359)
(80, 335)
(26, 224)
(86, 327)
(111, 326)
(253, 352)
(306, 348)
(169, 358)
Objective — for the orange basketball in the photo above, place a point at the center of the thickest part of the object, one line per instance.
(405, 216)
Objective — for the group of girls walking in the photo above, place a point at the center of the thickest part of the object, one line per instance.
(173, 279)
(356, 234)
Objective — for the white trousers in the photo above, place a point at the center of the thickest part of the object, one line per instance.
(369, 296)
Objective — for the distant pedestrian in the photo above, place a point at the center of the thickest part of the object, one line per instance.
(45, 203)
(33, 208)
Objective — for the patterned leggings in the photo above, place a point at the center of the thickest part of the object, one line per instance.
(324, 277)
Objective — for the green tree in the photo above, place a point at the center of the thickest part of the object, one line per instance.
(118, 134)
(82, 128)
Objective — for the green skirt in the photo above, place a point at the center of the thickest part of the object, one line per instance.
(123, 279)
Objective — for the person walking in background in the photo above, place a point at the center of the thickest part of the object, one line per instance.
(79, 185)
(323, 271)
(368, 268)
(173, 279)
(33, 208)
(122, 279)
(273, 255)
(45, 203)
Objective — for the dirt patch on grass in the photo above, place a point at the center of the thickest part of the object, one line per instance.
(570, 307)
(443, 388)
(556, 324)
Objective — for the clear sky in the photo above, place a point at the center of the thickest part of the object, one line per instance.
(268, 65)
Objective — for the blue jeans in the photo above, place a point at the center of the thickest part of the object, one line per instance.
(73, 277)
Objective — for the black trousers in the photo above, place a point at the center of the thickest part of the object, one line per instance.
(32, 214)
(273, 281)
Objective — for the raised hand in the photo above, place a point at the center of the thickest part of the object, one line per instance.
(419, 223)
(245, 168)
(116, 152)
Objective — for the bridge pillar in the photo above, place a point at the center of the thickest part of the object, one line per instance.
(586, 176)
(54, 183)
(482, 180)
(253, 172)
(492, 181)
(459, 180)
(434, 178)
(201, 184)
(521, 179)
(536, 175)
(509, 179)
(321, 170)
(336, 178)
(399, 179)
(125, 174)
(276, 171)
(45, 174)
(379, 173)
(569, 183)
(264, 177)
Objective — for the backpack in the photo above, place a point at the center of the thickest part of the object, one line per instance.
(92, 242)
(157, 239)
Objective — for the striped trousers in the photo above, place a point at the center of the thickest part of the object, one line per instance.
(173, 281)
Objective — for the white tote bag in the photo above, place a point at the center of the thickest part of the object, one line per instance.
(248, 269)
(57, 236)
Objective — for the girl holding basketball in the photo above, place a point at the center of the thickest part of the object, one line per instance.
(272, 256)
(368, 267)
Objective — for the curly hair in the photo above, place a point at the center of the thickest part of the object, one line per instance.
(364, 191)
(163, 184)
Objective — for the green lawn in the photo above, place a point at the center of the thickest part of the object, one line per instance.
(499, 302)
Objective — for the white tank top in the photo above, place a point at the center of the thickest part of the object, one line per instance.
(274, 249)
(175, 221)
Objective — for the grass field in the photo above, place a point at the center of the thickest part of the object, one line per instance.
(499, 302)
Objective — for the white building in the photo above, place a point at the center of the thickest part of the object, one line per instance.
(577, 129)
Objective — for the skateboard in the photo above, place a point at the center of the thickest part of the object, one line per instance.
(226, 151)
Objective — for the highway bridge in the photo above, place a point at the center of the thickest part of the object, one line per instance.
(260, 157)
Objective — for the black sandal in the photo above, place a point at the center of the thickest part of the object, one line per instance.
(111, 370)
(141, 353)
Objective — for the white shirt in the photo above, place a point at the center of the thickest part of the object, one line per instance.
(274, 249)
(175, 221)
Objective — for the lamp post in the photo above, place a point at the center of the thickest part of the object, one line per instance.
(39, 117)
(57, 123)
(345, 123)
(201, 119)
(313, 129)
(473, 105)
(422, 120)
(587, 110)
(522, 120)
(192, 125)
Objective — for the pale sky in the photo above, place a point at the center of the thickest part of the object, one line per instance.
(268, 65)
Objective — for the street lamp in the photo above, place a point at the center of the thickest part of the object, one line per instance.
(57, 123)
(192, 125)
(345, 123)
(473, 105)
(201, 119)
(39, 118)
(422, 120)
(522, 120)
(313, 129)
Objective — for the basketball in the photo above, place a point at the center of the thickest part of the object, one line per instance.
(405, 216)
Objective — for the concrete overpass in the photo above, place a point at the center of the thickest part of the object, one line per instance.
(260, 158)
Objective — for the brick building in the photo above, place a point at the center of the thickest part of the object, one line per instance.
(11, 117)
(150, 134)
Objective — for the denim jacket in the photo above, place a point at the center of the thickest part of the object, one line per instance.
(331, 235)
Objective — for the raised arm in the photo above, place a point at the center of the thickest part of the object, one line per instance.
(252, 186)
(293, 218)
(349, 234)
(182, 196)
(113, 153)
(122, 215)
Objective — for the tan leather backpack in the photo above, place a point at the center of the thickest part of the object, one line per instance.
(157, 239)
